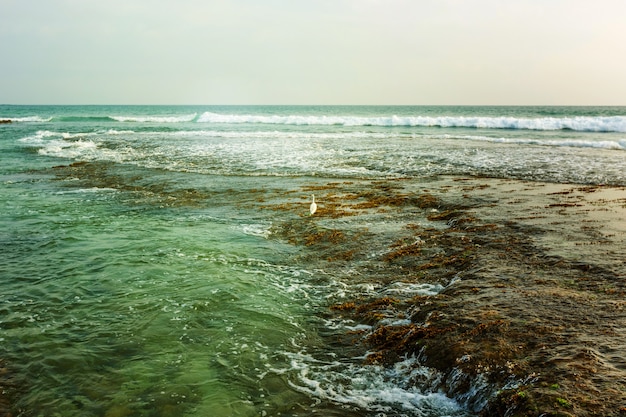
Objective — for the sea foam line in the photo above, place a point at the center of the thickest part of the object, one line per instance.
(41, 136)
(570, 143)
(582, 123)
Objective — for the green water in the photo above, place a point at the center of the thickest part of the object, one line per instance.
(111, 305)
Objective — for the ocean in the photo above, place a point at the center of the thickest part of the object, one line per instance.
(142, 272)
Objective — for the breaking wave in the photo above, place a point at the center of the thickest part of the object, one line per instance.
(582, 123)
(156, 119)
(103, 119)
(28, 119)
(618, 144)
(598, 124)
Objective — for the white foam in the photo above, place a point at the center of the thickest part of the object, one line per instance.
(80, 149)
(354, 154)
(114, 132)
(571, 143)
(31, 119)
(155, 119)
(255, 229)
(89, 190)
(409, 289)
(369, 387)
(284, 134)
(39, 137)
(297, 135)
(278, 135)
(583, 123)
(84, 146)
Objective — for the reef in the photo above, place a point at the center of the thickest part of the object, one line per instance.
(530, 316)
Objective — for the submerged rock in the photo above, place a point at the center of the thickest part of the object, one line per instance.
(520, 325)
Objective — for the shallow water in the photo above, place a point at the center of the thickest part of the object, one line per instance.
(150, 280)
(113, 303)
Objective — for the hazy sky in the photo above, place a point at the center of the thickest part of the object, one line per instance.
(313, 52)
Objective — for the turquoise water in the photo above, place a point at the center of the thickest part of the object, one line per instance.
(150, 282)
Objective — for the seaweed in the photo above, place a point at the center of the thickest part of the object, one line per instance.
(512, 312)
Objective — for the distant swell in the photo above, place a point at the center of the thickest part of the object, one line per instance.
(583, 124)
(85, 119)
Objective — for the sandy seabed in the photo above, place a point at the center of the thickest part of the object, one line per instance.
(531, 320)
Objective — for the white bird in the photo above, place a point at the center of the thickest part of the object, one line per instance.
(313, 205)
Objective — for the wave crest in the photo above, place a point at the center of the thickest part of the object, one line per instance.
(156, 119)
(581, 123)
(28, 119)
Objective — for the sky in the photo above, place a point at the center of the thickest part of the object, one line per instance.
(427, 52)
